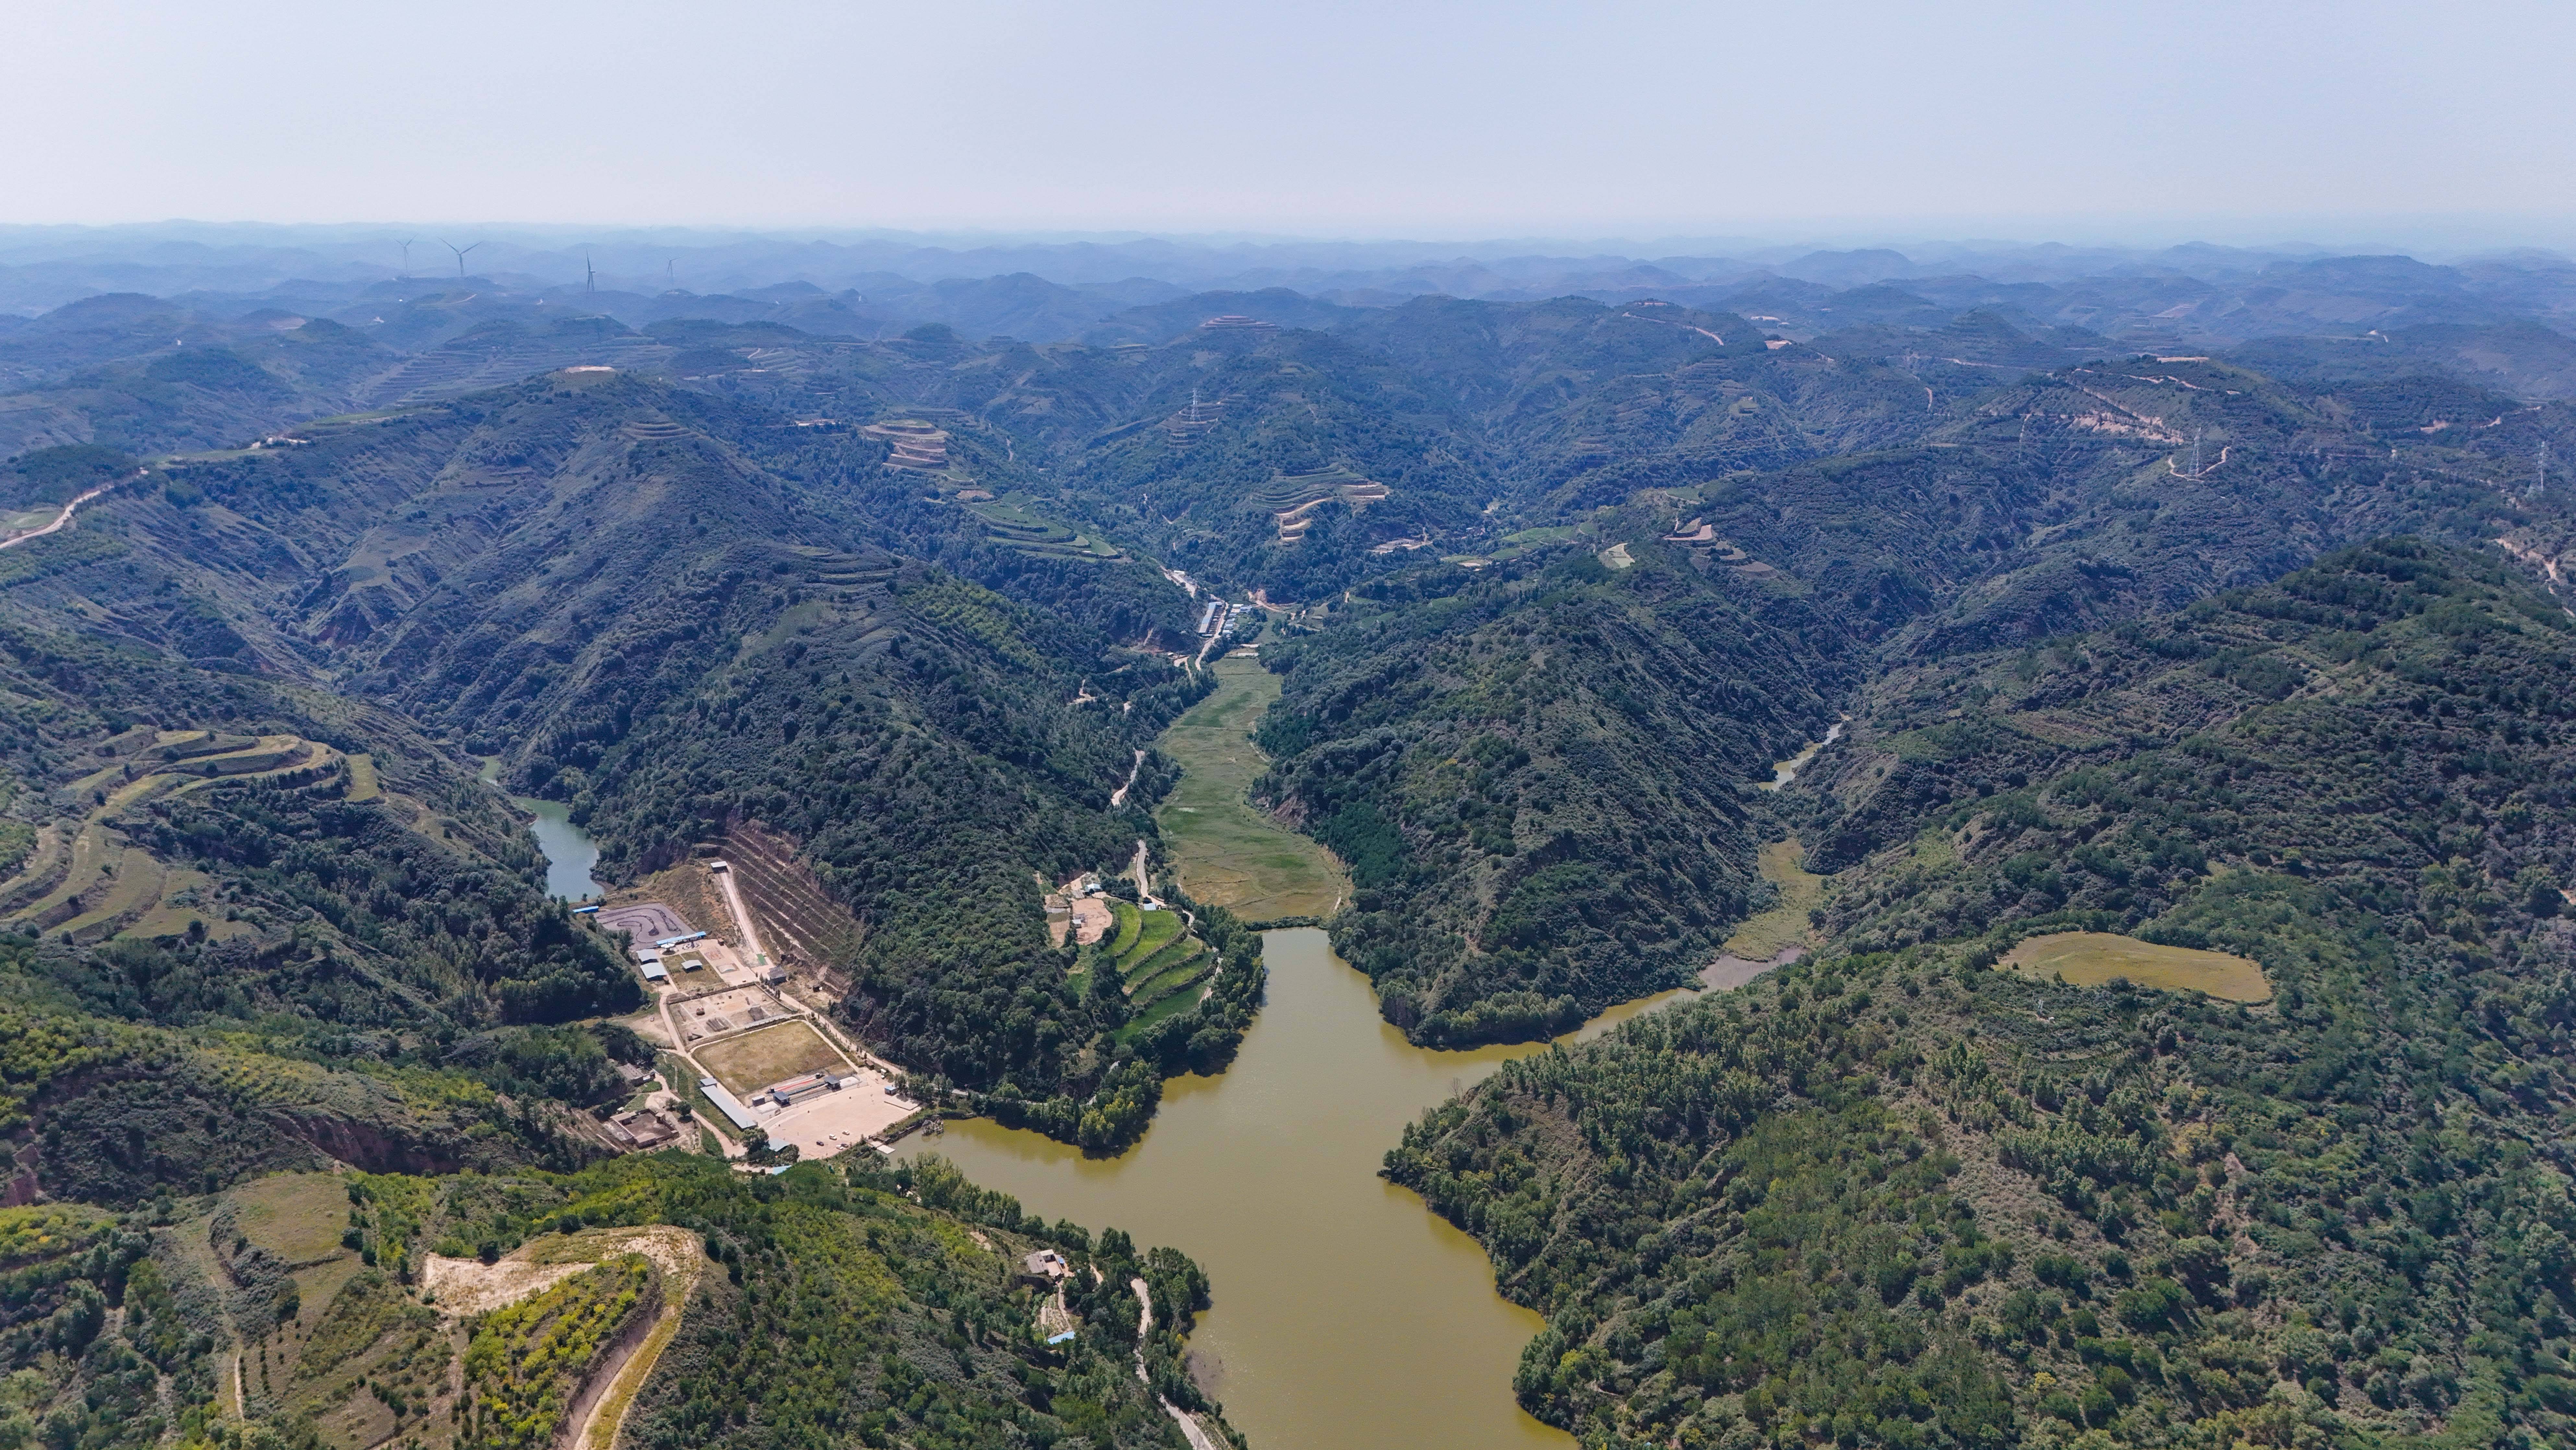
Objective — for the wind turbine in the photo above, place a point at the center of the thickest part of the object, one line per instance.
(589, 274)
(460, 255)
(406, 246)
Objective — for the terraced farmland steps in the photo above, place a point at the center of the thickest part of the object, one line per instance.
(1291, 498)
(1158, 961)
(87, 881)
(801, 926)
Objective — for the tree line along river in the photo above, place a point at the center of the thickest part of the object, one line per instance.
(1346, 1315)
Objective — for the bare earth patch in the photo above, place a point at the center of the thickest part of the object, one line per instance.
(465, 1287)
(753, 1061)
(1091, 920)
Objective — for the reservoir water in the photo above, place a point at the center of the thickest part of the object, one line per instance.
(1347, 1316)
(568, 849)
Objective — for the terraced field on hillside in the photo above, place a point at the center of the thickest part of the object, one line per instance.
(1161, 966)
(1291, 498)
(1010, 521)
(85, 881)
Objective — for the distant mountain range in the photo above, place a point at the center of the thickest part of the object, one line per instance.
(1050, 291)
(2209, 601)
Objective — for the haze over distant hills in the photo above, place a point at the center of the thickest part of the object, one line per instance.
(1057, 289)
(2205, 599)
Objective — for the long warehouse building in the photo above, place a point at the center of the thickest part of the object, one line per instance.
(727, 1104)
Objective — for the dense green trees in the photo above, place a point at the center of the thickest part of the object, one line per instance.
(2156, 1216)
(876, 1307)
(1535, 774)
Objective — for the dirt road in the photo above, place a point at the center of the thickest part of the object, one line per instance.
(742, 919)
(1199, 1438)
(64, 520)
(1118, 797)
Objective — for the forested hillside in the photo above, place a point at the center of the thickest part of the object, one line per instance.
(676, 615)
(1898, 1196)
(665, 1297)
(1667, 549)
(2059, 503)
(292, 933)
(1535, 774)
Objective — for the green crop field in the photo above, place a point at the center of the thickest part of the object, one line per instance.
(1188, 971)
(1222, 850)
(1170, 1005)
(1130, 922)
(2089, 958)
(1159, 930)
(1142, 966)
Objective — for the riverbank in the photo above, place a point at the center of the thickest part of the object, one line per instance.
(1345, 1313)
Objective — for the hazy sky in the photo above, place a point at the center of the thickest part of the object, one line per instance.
(1320, 117)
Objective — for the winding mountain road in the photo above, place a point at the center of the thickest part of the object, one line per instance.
(64, 519)
(1118, 797)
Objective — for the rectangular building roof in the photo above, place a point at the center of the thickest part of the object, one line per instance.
(727, 1104)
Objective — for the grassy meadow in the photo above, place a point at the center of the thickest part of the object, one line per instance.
(1222, 850)
(753, 1061)
(1763, 935)
(2090, 958)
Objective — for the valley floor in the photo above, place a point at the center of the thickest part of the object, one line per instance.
(1224, 851)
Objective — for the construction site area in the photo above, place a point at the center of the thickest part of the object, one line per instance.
(739, 951)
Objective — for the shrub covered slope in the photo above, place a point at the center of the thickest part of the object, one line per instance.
(860, 1308)
(1894, 1196)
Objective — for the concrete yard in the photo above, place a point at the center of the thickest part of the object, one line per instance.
(725, 1022)
(835, 1122)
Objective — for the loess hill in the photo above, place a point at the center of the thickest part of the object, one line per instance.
(1896, 1196)
(683, 619)
(658, 1301)
(2225, 653)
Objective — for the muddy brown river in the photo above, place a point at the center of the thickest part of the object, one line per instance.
(1347, 1316)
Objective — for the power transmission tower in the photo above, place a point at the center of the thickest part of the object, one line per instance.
(460, 256)
(2195, 453)
(2540, 479)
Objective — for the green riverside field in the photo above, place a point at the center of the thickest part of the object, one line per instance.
(1223, 851)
